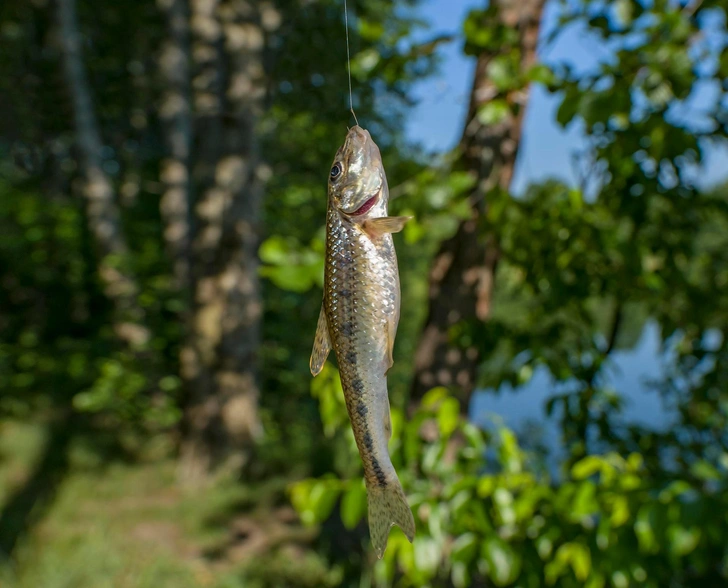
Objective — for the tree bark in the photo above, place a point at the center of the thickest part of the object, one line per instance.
(176, 114)
(220, 360)
(463, 271)
(101, 207)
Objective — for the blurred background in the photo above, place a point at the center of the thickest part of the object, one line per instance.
(560, 386)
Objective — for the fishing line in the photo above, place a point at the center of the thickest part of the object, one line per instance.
(348, 62)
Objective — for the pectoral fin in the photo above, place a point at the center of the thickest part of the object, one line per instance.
(321, 345)
(377, 227)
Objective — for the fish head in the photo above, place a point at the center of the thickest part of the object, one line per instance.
(357, 181)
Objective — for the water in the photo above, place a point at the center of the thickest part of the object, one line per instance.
(628, 373)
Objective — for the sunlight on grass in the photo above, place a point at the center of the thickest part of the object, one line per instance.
(20, 445)
(129, 525)
(116, 526)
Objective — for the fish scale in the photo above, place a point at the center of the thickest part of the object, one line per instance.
(359, 317)
(366, 272)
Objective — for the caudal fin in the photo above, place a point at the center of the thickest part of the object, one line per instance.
(387, 507)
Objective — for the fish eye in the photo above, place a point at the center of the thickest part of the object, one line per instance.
(335, 171)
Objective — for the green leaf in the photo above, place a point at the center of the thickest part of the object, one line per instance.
(465, 548)
(510, 454)
(580, 561)
(624, 10)
(427, 555)
(584, 501)
(274, 250)
(644, 528)
(525, 373)
(501, 72)
(541, 74)
(354, 504)
(476, 34)
(326, 387)
(571, 554)
(705, 471)
(576, 198)
(414, 232)
(314, 499)
(504, 564)
(493, 112)
(364, 62)
(682, 540)
(460, 575)
(434, 397)
(475, 438)
(567, 110)
(620, 511)
(369, 29)
(448, 416)
(595, 581)
(587, 467)
(487, 486)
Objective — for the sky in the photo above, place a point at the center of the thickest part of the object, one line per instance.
(546, 149)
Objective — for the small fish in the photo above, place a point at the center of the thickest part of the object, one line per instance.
(359, 318)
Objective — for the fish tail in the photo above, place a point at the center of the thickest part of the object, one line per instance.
(387, 507)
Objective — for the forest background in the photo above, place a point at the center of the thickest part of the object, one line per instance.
(162, 193)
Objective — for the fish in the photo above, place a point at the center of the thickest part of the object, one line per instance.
(359, 317)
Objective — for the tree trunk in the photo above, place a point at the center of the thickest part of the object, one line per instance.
(176, 114)
(101, 208)
(463, 272)
(220, 359)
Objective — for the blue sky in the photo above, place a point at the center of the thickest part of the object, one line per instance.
(546, 150)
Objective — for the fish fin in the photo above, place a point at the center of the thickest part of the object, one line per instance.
(321, 345)
(377, 227)
(388, 507)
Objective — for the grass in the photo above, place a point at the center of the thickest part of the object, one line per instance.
(20, 445)
(130, 525)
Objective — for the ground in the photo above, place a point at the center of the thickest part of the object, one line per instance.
(129, 524)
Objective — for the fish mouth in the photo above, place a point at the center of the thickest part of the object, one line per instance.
(366, 207)
(357, 137)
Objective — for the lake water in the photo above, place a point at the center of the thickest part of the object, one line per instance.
(628, 373)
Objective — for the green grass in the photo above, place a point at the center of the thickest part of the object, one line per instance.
(130, 525)
(20, 445)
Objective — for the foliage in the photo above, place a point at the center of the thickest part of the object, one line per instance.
(484, 515)
(56, 334)
(632, 236)
(583, 268)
